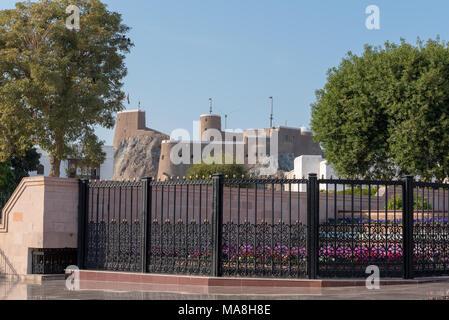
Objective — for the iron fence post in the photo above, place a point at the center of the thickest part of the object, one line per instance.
(146, 221)
(217, 223)
(407, 231)
(82, 218)
(312, 225)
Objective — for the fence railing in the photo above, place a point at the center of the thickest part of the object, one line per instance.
(285, 228)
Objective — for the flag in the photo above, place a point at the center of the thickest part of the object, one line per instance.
(270, 97)
(127, 97)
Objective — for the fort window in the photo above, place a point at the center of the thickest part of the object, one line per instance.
(162, 157)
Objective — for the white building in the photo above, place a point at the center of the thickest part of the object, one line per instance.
(105, 172)
(306, 164)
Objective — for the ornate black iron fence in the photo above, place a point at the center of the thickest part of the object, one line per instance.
(430, 229)
(361, 225)
(52, 261)
(264, 228)
(288, 228)
(112, 225)
(180, 230)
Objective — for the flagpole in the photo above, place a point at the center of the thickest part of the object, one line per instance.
(271, 115)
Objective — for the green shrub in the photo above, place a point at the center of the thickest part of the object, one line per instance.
(357, 191)
(198, 171)
(417, 204)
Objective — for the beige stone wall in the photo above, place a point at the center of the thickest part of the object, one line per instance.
(41, 213)
(293, 140)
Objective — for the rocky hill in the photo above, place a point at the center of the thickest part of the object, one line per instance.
(138, 156)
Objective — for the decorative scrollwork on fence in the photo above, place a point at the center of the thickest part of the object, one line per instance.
(181, 248)
(114, 246)
(262, 249)
(346, 249)
(431, 250)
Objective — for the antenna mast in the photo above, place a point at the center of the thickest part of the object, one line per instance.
(210, 105)
(271, 115)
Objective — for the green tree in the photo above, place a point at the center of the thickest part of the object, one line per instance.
(15, 169)
(226, 166)
(385, 109)
(57, 84)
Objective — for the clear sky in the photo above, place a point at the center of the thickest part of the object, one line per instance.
(240, 52)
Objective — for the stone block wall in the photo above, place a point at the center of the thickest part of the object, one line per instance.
(41, 213)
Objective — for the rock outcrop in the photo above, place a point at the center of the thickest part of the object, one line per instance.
(268, 166)
(138, 156)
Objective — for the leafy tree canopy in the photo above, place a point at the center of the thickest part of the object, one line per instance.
(14, 169)
(385, 113)
(57, 84)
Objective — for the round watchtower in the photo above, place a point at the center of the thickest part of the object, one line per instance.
(209, 121)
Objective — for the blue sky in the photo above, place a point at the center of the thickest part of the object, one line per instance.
(240, 52)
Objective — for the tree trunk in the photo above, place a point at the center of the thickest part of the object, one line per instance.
(55, 165)
(56, 155)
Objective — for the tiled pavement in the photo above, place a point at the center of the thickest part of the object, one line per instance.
(55, 289)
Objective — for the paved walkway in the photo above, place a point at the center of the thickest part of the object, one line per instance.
(55, 289)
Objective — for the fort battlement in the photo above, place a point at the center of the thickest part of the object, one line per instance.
(130, 124)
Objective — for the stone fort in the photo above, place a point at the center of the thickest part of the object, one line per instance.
(140, 151)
